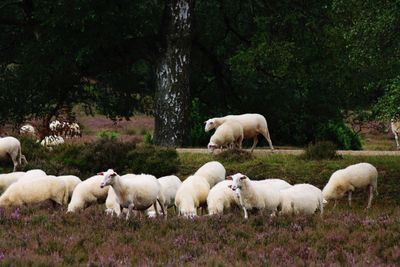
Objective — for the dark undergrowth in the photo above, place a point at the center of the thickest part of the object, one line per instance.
(41, 235)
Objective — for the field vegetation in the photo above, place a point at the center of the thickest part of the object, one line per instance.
(45, 235)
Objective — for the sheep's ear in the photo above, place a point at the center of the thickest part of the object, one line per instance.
(100, 173)
(230, 186)
(228, 178)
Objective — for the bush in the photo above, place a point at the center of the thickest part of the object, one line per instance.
(320, 150)
(340, 134)
(108, 135)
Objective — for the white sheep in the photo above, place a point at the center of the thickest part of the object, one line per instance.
(31, 192)
(192, 194)
(31, 175)
(253, 125)
(301, 199)
(212, 171)
(136, 193)
(347, 180)
(395, 126)
(52, 140)
(6, 179)
(229, 134)
(169, 186)
(71, 181)
(112, 204)
(257, 194)
(11, 146)
(27, 129)
(87, 192)
(221, 197)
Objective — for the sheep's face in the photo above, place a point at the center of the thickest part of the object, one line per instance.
(211, 146)
(210, 124)
(237, 181)
(108, 177)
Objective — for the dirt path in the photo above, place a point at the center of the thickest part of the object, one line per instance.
(263, 152)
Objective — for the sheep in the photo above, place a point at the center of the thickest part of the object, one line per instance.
(87, 192)
(31, 175)
(31, 192)
(27, 129)
(11, 146)
(301, 198)
(228, 134)
(7, 179)
(71, 181)
(253, 125)
(261, 195)
(112, 205)
(191, 195)
(347, 180)
(221, 197)
(395, 126)
(52, 140)
(212, 171)
(136, 193)
(169, 186)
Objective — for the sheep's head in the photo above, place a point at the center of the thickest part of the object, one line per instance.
(211, 146)
(237, 181)
(210, 124)
(108, 177)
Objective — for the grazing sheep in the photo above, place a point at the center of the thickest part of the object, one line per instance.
(136, 193)
(347, 180)
(27, 129)
(221, 197)
(212, 171)
(71, 181)
(7, 179)
(11, 146)
(395, 126)
(253, 125)
(169, 186)
(31, 192)
(191, 195)
(87, 192)
(52, 140)
(259, 195)
(301, 198)
(229, 134)
(31, 175)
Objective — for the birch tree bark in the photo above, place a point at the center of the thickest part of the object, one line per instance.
(172, 72)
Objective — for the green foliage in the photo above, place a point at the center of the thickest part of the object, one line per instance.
(108, 135)
(388, 106)
(233, 156)
(320, 150)
(340, 134)
(148, 138)
(197, 118)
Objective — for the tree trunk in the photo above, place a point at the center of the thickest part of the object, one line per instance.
(172, 100)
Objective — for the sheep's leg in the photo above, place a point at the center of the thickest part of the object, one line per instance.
(255, 141)
(350, 192)
(334, 205)
(162, 208)
(396, 137)
(265, 133)
(130, 208)
(371, 195)
(23, 159)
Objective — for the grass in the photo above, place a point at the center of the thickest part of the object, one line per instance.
(41, 235)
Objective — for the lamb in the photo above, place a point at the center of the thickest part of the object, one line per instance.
(87, 192)
(229, 134)
(191, 195)
(260, 195)
(253, 125)
(212, 171)
(7, 179)
(31, 192)
(27, 129)
(301, 198)
(11, 146)
(169, 186)
(136, 193)
(347, 180)
(71, 181)
(395, 126)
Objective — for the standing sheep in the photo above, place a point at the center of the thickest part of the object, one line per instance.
(395, 126)
(136, 193)
(36, 191)
(87, 192)
(71, 181)
(169, 186)
(31, 175)
(259, 195)
(301, 198)
(229, 134)
(7, 179)
(11, 146)
(253, 125)
(212, 171)
(347, 180)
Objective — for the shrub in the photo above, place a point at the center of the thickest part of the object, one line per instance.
(148, 138)
(340, 134)
(320, 150)
(108, 135)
